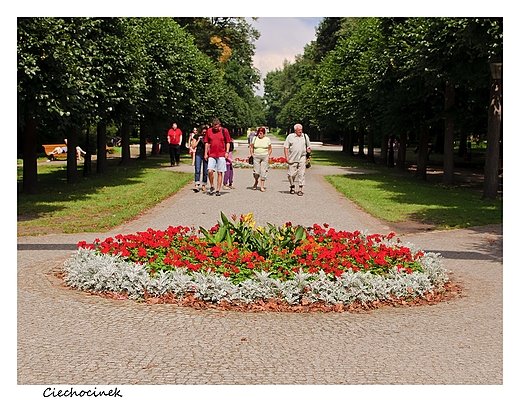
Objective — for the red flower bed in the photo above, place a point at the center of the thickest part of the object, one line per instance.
(241, 249)
(271, 160)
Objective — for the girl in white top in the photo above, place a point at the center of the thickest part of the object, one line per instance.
(190, 143)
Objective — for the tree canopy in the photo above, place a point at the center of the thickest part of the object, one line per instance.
(387, 72)
(147, 72)
(421, 79)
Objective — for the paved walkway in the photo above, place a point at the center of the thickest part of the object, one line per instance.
(69, 337)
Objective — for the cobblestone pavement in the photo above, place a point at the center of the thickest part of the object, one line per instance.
(69, 337)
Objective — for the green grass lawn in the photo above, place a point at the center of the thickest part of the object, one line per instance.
(335, 158)
(397, 199)
(96, 203)
(101, 202)
(396, 196)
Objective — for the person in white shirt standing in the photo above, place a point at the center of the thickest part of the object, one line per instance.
(297, 150)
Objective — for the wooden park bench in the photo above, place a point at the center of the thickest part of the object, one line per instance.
(51, 147)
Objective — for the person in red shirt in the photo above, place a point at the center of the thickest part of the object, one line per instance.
(175, 141)
(216, 142)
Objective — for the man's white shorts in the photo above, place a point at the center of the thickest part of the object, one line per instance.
(217, 164)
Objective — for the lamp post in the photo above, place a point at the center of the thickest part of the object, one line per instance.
(493, 135)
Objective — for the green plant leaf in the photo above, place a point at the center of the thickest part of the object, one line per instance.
(221, 234)
(225, 220)
(229, 240)
(299, 233)
(209, 237)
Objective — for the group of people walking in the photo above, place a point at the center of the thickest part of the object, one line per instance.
(212, 158)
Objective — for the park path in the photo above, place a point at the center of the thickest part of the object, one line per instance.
(69, 337)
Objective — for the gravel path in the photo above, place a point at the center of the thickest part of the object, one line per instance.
(69, 337)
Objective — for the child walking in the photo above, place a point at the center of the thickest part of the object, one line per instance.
(190, 145)
(228, 175)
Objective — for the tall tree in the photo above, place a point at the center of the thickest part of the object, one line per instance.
(346, 77)
(491, 170)
(327, 35)
(76, 71)
(180, 82)
(117, 62)
(453, 54)
(400, 74)
(56, 82)
(229, 42)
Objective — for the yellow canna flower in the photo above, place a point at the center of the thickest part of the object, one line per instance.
(249, 220)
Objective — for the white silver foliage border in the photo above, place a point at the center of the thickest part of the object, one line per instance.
(90, 271)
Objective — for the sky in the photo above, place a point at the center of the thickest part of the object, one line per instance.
(282, 38)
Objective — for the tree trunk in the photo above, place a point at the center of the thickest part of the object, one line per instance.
(87, 158)
(101, 165)
(391, 152)
(72, 162)
(156, 140)
(370, 154)
(463, 147)
(401, 153)
(493, 143)
(125, 142)
(361, 142)
(344, 141)
(422, 156)
(351, 140)
(384, 149)
(449, 133)
(438, 144)
(142, 141)
(30, 166)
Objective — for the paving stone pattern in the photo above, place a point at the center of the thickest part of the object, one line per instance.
(70, 337)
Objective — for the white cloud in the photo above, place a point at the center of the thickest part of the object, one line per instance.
(282, 38)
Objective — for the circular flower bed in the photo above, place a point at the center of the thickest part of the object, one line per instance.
(237, 264)
(274, 163)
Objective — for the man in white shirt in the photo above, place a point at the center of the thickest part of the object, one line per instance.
(296, 148)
